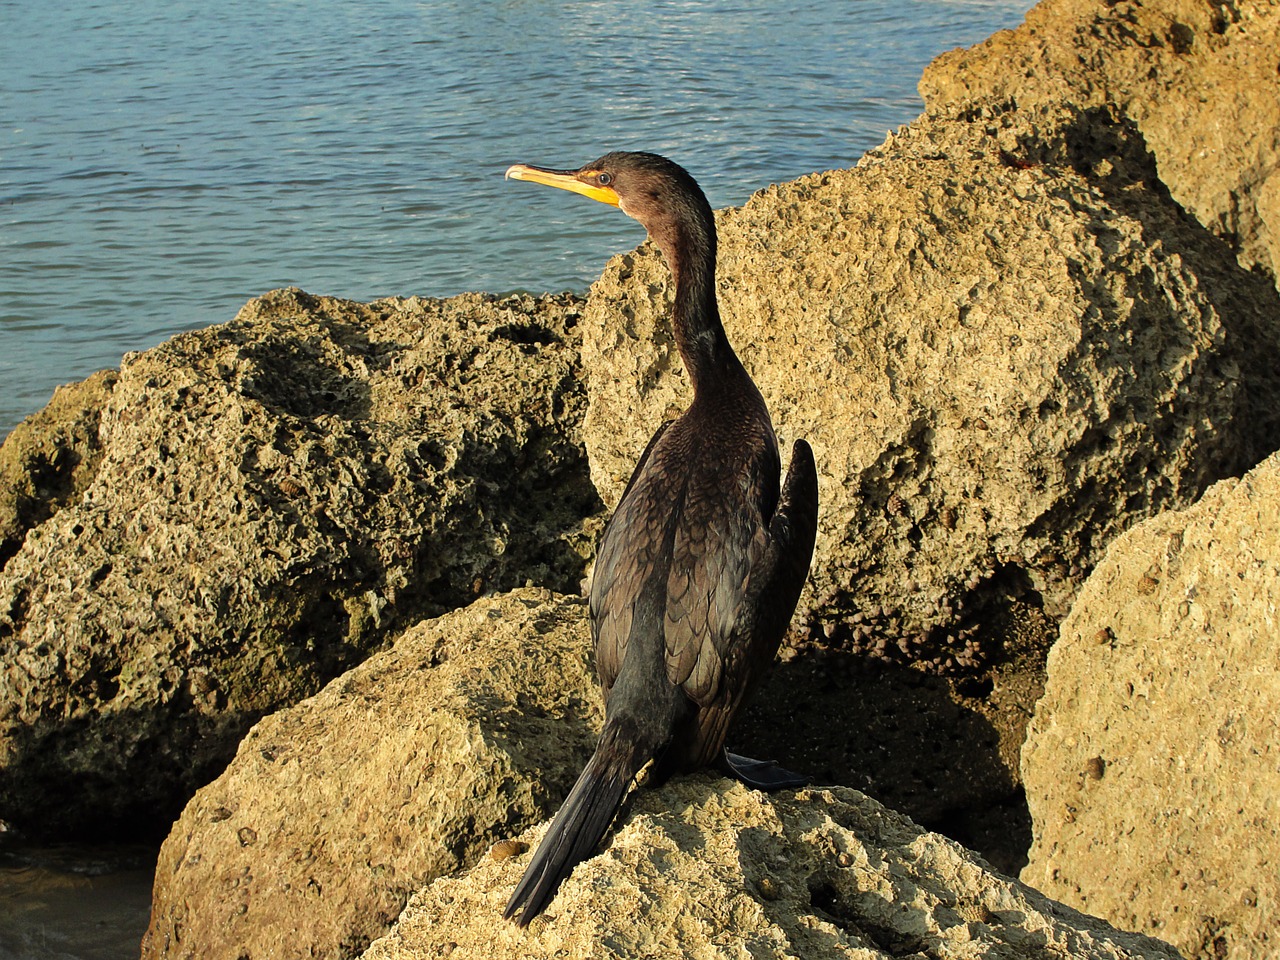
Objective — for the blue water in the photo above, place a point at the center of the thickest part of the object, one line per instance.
(162, 162)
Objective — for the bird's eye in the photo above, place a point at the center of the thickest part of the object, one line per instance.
(604, 179)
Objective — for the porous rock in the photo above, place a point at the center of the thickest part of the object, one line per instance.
(1201, 80)
(272, 497)
(1001, 360)
(48, 459)
(1152, 766)
(707, 868)
(408, 767)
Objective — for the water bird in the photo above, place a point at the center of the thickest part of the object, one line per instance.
(700, 567)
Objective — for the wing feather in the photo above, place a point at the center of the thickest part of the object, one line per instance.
(720, 538)
(764, 603)
(629, 548)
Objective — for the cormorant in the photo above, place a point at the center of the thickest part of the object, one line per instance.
(701, 565)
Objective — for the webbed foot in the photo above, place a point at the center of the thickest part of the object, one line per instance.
(765, 775)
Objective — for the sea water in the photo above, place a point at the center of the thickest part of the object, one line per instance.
(162, 161)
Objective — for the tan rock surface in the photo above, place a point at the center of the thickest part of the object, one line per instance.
(1152, 766)
(48, 459)
(1201, 80)
(707, 868)
(1001, 362)
(411, 765)
(274, 496)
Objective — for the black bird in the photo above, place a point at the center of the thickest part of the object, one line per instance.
(701, 565)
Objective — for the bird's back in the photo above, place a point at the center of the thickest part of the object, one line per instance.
(673, 566)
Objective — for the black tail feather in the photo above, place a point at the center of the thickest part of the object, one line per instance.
(577, 828)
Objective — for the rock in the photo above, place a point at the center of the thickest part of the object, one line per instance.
(1002, 360)
(273, 498)
(708, 868)
(1152, 766)
(473, 726)
(49, 458)
(1199, 79)
(942, 750)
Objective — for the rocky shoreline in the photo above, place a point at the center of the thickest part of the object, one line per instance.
(299, 590)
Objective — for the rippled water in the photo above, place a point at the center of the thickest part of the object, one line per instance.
(161, 162)
(74, 903)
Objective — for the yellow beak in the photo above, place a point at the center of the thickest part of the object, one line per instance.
(565, 180)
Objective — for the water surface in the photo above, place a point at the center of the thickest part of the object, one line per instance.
(162, 162)
(74, 903)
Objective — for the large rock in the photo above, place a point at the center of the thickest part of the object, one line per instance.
(708, 868)
(406, 768)
(1003, 339)
(272, 497)
(1152, 766)
(1200, 79)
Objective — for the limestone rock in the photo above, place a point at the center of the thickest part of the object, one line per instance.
(1001, 362)
(708, 868)
(1200, 80)
(273, 497)
(943, 750)
(410, 766)
(49, 458)
(1152, 766)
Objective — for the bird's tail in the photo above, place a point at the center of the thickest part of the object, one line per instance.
(581, 822)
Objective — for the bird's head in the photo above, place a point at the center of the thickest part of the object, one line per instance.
(651, 189)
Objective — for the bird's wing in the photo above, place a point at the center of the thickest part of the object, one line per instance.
(622, 567)
(776, 583)
(768, 600)
(721, 537)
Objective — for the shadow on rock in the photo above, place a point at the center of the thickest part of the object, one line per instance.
(917, 742)
(307, 377)
(1112, 153)
(164, 752)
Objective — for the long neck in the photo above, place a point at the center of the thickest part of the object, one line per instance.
(690, 250)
